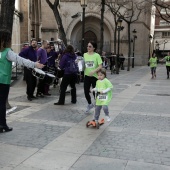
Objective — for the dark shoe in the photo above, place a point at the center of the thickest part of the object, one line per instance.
(33, 97)
(167, 77)
(5, 128)
(58, 103)
(47, 94)
(29, 98)
(39, 95)
(73, 102)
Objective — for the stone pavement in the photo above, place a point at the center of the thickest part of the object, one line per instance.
(48, 137)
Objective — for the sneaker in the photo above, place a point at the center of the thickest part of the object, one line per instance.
(108, 118)
(89, 107)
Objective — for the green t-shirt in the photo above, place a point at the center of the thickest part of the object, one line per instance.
(103, 99)
(153, 62)
(167, 58)
(91, 63)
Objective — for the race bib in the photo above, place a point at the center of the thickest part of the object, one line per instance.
(89, 64)
(102, 97)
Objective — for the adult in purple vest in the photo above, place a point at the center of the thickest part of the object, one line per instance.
(30, 53)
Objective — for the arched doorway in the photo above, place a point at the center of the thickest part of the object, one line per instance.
(89, 36)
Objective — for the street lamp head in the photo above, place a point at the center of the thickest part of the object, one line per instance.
(119, 22)
(150, 37)
(134, 32)
(156, 42)
(83, 3)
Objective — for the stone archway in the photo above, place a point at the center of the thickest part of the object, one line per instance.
(92, 31)
(92, 23)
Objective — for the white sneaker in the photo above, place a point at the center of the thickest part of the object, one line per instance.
(108, 118)
(89, 107)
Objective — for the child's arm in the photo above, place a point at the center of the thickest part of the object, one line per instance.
(105, 91)
(94, 89)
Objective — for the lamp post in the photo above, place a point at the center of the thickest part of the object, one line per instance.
(119, 28)
(150, 38)
(157, 49)
(0, 5)
(134, 37)
(83, 4)
(165, 41)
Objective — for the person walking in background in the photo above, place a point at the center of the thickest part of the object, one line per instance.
(104, 94)
(51, 65)
(93, 63)
(153, 65)
(167, 59)
(7, 56)
(30, 53)
(70, 67)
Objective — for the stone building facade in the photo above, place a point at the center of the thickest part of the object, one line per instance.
(39, 22)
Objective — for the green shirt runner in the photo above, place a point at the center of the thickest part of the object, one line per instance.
(167, 59)
(103, 99)
(153, 62)
(91, 63)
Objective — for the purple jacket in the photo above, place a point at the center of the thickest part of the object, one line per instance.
(64, 62)
(52, 56)
(42, 55)
(29, 53)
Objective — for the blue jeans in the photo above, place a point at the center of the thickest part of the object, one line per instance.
(153, 70)
(4, 91)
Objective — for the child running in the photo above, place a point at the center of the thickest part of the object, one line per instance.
(153, 65)
(104, 91)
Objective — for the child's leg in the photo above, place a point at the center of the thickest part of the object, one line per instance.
(155, 71)
(106, 111)
(152, 71)
(97, 112)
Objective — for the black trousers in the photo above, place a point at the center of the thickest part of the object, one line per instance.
(168, 70)
(30, 81)
(41, 86)
(88, 82)
(68, 79)
(4, 91)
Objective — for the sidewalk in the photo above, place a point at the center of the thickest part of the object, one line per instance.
(50, 137)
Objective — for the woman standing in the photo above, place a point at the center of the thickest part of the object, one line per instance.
(7, 56)
(93, 63)
(70, 67)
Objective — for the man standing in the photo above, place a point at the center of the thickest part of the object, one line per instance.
(31, 54)
(42, 57)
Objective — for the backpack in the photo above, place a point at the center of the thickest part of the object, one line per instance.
(72, 66)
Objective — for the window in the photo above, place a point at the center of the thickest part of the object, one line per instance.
(164, 23)
(165, 34)
(165, 11)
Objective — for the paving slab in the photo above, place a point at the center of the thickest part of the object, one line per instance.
(98, 163)
(131, 165)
